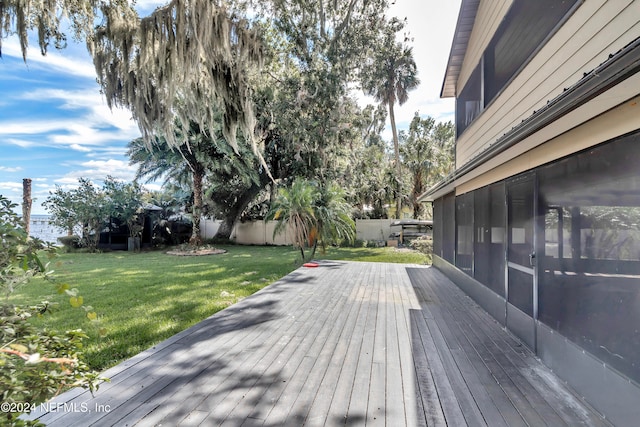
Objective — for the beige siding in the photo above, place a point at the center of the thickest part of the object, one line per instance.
(490, 14)
(616, 122)
(596, 29)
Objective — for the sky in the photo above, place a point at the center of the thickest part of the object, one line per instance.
(55, 126)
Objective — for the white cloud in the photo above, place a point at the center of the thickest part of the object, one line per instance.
(88, 99)
(75, 62)
(11, 186)
(78, 147)
(92, 123)
(153, 186)
(10, 169)
(97, 171)
(18, 142)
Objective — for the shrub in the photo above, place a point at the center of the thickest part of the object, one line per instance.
(423, 244)
(35, 364)
(70, 242)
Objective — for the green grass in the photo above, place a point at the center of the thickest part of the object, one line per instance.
(142, 299)
(393, 255)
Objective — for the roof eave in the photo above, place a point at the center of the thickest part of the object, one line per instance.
(461, 36)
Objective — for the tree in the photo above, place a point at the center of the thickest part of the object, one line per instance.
(168, 65)
(393, 74)
(369, 180)
(303, 95)
(333, 222)
(124, 202)
(26, 203)
(184, 163)
(84, 207)
(232, 178)
(427, 153)
(61, 206)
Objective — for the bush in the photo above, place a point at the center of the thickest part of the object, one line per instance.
(375, 244)
(35, 364)
(423, 244)
(70, 242)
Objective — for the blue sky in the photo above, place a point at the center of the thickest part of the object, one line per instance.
(55, 125)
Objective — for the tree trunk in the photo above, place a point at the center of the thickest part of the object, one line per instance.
(396, 149)
(196, 239)
(234, 212)
(26, 204)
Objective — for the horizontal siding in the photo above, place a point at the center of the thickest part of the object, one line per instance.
(525, 156)
(596, 29)
(490, 14)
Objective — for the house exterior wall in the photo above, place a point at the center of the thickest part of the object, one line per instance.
(540, 222)
(537, 150)
(596, 29)
(490, 14)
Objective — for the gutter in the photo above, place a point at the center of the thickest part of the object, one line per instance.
(619, 67)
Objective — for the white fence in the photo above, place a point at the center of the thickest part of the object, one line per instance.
(374, 229)
(261, 232)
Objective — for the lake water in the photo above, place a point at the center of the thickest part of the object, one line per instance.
(42, 229)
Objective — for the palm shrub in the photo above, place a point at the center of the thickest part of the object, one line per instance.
(333, 217)
(313, 214)
(292, 210)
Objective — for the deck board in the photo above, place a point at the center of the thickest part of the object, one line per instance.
(343, 344)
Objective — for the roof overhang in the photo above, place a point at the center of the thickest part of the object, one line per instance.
(619, 67)
(461, 36)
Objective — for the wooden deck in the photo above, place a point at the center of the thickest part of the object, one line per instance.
(345, 343)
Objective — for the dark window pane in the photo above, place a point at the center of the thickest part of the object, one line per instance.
(521, 290)
(469, 102)
(497, 238)
(589, 276)
(482, 235)
(464, 233)
(522, 33)
(449, 228)
(437, 227)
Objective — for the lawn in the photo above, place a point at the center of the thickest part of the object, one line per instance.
(144, 298)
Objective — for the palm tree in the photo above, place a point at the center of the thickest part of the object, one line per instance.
(392, 76)
(186, 163)
(313, 214)
(333, 217)
(293, 210)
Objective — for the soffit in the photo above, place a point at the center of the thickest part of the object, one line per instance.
(461, 36)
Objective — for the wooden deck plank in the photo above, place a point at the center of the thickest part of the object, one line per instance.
(562, 401)
(343, 344)
(489, 384)
(237, 352)
(333, 358)
(355, 406)
(533, 408)
(299, 363)
(396, 412)
(372, 359)
(517, 399)
(269, 369)
(413, 404)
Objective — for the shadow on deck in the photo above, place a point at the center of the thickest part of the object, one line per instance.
(346, 343)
